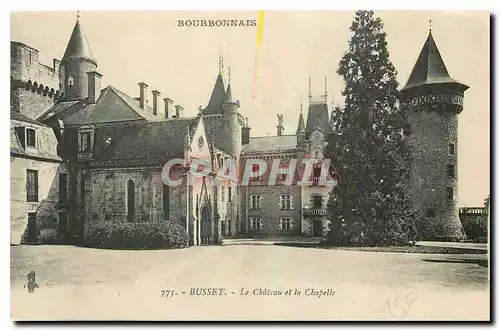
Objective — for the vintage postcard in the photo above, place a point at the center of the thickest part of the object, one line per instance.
(250, 165)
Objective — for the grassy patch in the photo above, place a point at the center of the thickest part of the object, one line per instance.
(393, 249)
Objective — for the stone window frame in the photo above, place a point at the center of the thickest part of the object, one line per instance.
(26, 140)
(34, 197)
(283, 201)
(285, 220)
(256, 220)
(71, 81)
(86, 130)
(258, 200)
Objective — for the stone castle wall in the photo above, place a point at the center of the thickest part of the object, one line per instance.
(430, 136)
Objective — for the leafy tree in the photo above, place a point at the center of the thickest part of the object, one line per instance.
(369, 205)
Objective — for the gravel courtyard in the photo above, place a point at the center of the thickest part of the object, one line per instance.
(282, 283)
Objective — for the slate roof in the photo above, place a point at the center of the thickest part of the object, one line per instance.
(78, 46)
(46, 140)
(429, 67)
(301, 126)
(111, 106)
(271, 144)
(14, 115)
(217, 98)
(148, 143)
(317, 118)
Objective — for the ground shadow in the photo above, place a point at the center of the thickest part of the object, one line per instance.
(481, 263)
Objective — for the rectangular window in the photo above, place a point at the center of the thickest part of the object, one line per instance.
(285, 224)
(316, 173)
(450, 170)
(255, 202)
(84, 141)
(30, 137)
(285, 202)
(317, 202)
(63, 188)
(256, 223)
(451, 149)
(229, 193)
(31, 185)
(284, 169)
(449, 193)
(430, 212)
(255, 169)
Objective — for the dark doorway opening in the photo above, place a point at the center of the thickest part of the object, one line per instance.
(205, 226)
(32, 229)
(317, 228)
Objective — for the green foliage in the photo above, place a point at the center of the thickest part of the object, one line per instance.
(138, 235)
(369, 207)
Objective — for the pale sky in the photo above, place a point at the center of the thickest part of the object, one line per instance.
(182, 63)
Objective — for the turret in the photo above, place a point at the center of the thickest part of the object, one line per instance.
(77, 61)
(233, 127)
(432, 100)
(301, 134)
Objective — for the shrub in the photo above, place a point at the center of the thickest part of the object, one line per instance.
(137, 235)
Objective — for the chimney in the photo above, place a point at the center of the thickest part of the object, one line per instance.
(142, 96)
(168, 106)
(245, 134)
(156, 93)
(94, 87)
(178, 109)
(56, 63)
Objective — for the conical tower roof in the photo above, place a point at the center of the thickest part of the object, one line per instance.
(78, 46)
(429, 68)
(301, 127)
(229, 95)
(218, 93)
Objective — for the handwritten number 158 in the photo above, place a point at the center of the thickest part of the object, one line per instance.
(400, 305)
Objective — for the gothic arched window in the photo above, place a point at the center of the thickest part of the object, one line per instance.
(130, 200)
(71, 81)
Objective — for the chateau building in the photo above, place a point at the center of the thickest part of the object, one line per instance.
(82, 154)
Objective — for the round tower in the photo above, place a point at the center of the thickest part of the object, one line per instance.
(77, 61)
(433, 100)
(231, 125)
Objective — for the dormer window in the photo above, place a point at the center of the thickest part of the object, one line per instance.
(71, 81)
(30, 137)
(86, 139)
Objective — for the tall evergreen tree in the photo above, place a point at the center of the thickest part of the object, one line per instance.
(369, 206)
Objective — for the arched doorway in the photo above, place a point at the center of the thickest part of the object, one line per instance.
(205, 226)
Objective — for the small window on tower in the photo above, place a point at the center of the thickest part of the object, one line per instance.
(451, 149)
(71, 81)
(450, 170)
(430, 212)
(449, 193)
